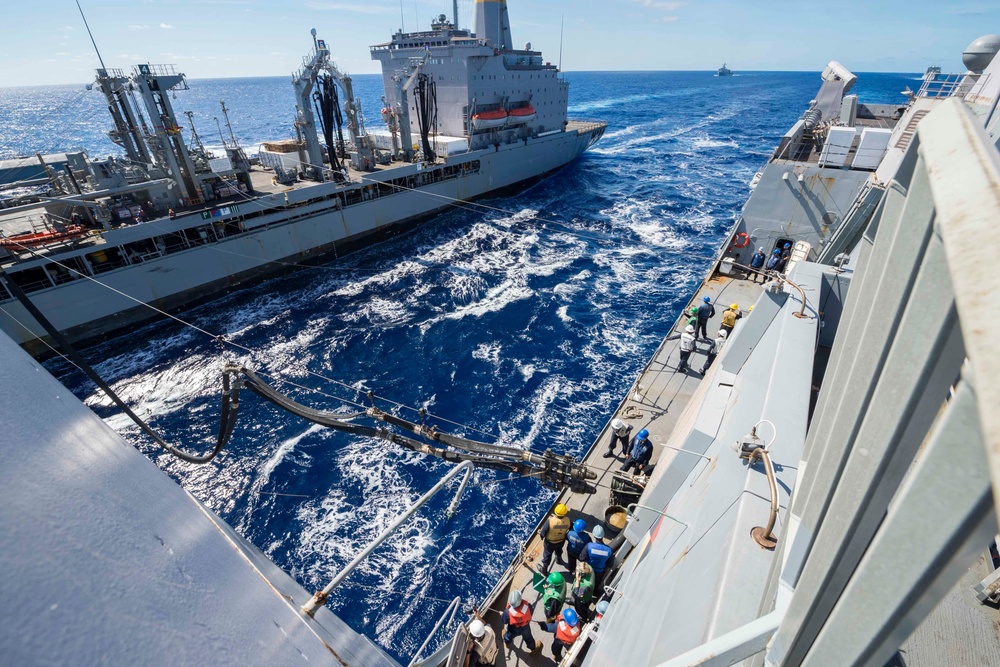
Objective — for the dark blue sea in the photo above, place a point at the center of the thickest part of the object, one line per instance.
(530, 331)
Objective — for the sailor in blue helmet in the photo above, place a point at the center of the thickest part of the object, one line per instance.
(786, 254)
(757, 262)
(639, 453)
(600, 557)
(706, 311)
(576, 540)
(772, 261)
(566, 630)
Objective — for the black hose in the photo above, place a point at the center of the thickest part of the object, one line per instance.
(336, 421)
(324, 98)
(230, 398)
(426, 102)
(338, 120)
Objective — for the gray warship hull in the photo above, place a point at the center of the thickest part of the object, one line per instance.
(261, 237)
(711, 539)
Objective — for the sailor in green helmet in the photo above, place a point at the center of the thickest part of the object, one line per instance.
(553, 595)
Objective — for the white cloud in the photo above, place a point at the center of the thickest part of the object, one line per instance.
(666, 19)
(138, 27)
(166, 26)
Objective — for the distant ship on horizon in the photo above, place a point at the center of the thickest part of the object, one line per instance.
(724, 71)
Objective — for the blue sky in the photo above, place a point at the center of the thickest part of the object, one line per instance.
(45, 42)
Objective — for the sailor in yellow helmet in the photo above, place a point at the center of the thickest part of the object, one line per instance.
(729, 319)
(553, 534)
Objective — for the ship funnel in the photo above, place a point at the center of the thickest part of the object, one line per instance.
(493, 24)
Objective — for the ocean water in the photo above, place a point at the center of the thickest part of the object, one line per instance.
(501, 323)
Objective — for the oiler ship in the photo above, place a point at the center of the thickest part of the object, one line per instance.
(821, 492)
(170, 223)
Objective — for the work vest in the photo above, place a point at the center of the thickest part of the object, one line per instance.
(566, 633)
(558, 527)
(729, 318)
(575, 542)
(486, 647)
(554, 594)
(520, 616)
(585, 591)
(598, 555)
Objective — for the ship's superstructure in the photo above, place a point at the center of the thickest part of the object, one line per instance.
(477, 86)
(171, 223)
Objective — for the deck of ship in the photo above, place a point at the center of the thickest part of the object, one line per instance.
(655, 401)
(263, 182)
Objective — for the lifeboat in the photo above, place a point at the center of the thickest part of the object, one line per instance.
(34, 239)
(521, 115)
(487, 120)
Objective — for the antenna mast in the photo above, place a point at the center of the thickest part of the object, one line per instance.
(194, 133)
(87, 25)
(225, 113)
(562, 22)
(221, 135)
(454, 8)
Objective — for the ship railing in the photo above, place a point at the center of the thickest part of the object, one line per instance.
(582, 126)
(951, 85)
(901, 465)
(465, 467)
(163, 70)
(449, 613)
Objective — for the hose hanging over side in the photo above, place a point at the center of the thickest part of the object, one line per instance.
(554, 470)
(230, 396)
(426, 102)
(326, 110)
(338, 121)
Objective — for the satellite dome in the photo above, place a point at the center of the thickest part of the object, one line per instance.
(979, 54)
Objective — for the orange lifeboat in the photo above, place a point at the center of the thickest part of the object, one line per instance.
(521, 115)
(487, 120)
(33, 239)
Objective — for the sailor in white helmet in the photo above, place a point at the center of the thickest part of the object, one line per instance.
(620, 433)
(483, 648)
(687, 347)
